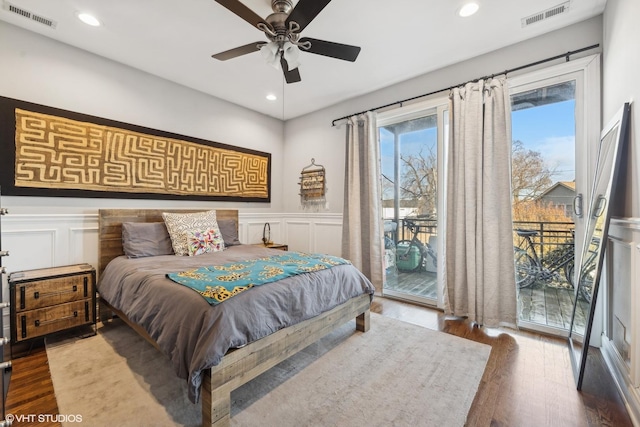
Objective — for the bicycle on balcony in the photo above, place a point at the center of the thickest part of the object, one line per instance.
(413, 255)
(587, 275)
(530, 267)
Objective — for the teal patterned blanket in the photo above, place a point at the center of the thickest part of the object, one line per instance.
(220, 282)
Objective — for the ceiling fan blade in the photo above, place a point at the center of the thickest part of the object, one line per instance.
(292, 76)
(334, 50)
(244, 12)
(305, 11)
(238, 51)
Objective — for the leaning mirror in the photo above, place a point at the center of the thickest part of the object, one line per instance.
(592, 256)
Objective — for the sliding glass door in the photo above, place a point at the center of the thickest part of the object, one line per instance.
(411, 146)
(551, 110)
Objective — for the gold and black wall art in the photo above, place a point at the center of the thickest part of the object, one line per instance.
(51, 152)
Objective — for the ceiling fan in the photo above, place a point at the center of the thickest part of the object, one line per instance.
(282, 28)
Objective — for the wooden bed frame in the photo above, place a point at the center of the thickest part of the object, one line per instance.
(238, 366)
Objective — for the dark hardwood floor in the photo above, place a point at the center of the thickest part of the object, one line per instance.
(31, 390)
(527, 382)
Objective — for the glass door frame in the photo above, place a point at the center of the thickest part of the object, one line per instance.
(439, 107)
(586, 73)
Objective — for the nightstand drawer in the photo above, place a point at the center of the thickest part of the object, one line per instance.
(45, 293)
(35, 323)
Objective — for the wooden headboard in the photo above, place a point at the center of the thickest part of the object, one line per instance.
(110, 227)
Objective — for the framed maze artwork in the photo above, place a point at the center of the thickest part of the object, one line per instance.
(52, 152)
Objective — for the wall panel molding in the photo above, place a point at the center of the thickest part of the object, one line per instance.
(34, 246)
(623, 286)
(63, 239)
(630, 223)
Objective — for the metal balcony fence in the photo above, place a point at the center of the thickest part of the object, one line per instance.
(550, 236)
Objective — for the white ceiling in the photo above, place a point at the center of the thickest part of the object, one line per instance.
(400, 39)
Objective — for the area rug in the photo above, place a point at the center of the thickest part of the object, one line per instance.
(397, 374)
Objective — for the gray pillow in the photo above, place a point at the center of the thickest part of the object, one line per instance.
(143, 239)
(229, 230)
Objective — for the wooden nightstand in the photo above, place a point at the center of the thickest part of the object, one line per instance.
(280, 246)
(50, 300)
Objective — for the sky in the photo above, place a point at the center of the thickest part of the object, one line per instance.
(549, 129)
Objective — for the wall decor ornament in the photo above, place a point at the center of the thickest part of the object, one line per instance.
(313, 187)
(52, 152)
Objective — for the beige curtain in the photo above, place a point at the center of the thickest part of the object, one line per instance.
(479, 244)
(362, 235)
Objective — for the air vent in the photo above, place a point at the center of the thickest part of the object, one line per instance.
(546, 14)
(29, 15)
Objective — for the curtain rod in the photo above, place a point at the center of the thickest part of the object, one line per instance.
(532, 64)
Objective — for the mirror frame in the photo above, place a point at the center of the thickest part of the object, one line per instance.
(618, 124)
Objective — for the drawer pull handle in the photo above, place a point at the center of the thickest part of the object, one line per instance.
(39, 323)
(37, 294)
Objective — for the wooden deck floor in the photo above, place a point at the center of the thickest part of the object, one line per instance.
(551, 306)
(542, 303)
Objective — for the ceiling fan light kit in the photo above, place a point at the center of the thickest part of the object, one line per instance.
(282, 28)
(271, 52)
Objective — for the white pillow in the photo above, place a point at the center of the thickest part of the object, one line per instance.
(180, 224)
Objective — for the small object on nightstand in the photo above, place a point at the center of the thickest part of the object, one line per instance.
(50, 300)
(280, 246)
(266, 234)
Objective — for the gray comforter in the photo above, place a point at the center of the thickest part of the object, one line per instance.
(195, 335)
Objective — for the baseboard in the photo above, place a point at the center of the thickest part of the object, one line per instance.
(630, 395)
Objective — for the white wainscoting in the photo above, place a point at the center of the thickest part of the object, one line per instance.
(621, 336)
(42, 241)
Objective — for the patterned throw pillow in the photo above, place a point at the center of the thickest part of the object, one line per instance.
(202, 242)
(179, 224)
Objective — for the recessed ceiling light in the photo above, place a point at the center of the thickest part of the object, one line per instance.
(271, 97)
(468, 9)
(88, 19)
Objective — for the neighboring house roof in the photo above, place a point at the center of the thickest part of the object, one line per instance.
(559, 186)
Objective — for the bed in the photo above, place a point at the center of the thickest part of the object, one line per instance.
(219, 348)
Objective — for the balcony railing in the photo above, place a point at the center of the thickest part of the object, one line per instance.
(550, 235)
